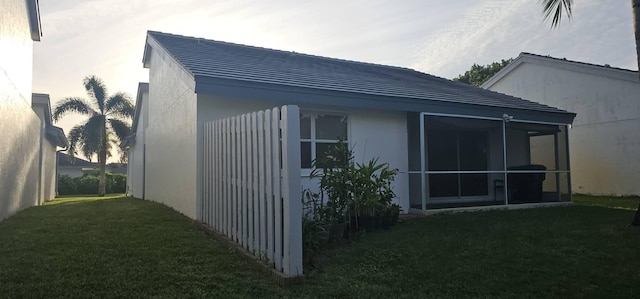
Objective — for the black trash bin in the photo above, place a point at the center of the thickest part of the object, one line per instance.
(526, 187)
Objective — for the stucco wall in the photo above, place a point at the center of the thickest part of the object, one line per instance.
(372, 134)
(604, 141)
(383, 134)
(171, 137)
(135, 170)
(19, 125)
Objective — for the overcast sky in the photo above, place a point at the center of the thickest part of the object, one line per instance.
(439, 37)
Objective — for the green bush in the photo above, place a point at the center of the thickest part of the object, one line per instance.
(66, 185)
(119, 183)
(88, 184)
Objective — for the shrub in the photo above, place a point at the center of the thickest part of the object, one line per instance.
(88, 184)
(66, 185)
(119, 183)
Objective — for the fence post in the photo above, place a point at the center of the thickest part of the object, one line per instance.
(292, 210)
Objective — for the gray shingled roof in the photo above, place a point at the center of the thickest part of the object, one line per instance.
(65, 160)
(215, 59)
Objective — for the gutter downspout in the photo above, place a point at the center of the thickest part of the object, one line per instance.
(58, 166)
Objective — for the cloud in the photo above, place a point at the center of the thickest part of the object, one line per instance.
(600, 32)
(444, 38)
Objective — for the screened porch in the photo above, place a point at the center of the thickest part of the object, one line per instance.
(463, 161)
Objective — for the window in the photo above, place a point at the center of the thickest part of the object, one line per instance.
(317, 132)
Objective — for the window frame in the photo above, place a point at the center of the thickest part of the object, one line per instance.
(313, 115)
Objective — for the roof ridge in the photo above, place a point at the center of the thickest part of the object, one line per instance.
(606, 66)
(281, 51)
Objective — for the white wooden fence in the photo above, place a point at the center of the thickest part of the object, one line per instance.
(251, 184)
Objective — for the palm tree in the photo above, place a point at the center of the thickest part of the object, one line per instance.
(554, 8)
(108, 116)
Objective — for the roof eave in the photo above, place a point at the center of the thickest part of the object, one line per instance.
(291, 95)
(33, 10)
(575, 66)
(56, 135)
(142, 89)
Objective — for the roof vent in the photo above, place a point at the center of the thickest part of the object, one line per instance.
(607, 65)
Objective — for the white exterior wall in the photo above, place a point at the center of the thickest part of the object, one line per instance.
(383, 134)
(371, 134)
(171, 136)
(19, 125)
(604, 142)
(135, 169)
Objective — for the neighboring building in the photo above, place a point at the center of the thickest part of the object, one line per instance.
(21, 131)
(51, 137)
(604, 138)
(137, 143)
(75, 167)
(377, 109)
(78, 167)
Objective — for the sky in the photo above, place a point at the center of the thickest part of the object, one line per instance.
(106, 38)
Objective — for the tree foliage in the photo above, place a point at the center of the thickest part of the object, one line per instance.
(478, 74)
(109, 117)
(552, 9)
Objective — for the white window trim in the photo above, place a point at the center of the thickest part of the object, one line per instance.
(306, 172)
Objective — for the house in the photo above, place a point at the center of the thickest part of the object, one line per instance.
(454, 145)
(24, 166)
(604, 138)
(74, 167)
(136, 158)
(77, 167)
(51, 137)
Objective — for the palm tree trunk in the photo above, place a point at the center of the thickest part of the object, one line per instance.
(102, 160)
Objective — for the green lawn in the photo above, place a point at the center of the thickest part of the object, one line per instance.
(122, 247)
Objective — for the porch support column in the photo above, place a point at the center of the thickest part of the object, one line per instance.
(423, 180)
(556, 153)
(566, 140)
(504, 161)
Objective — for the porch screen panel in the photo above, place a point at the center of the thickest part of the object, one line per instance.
(464, 158)
(537, 163)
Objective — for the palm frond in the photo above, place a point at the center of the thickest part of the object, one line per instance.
(97, 90)
(553, 9)
(95, 131)
(72, 105)
(78, 142)
(120, 105)
(120, 128)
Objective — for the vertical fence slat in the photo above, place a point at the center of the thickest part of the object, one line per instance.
(269, 187)
(275, 154)
(261, 185)
(218, 174)
(212, 161)
(249, 179)
(205, 174)
(212, 202)
(255, 212)
(243, 183)
(227, 171)
(236, 179)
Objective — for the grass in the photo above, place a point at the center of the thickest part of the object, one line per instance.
(122, 247)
